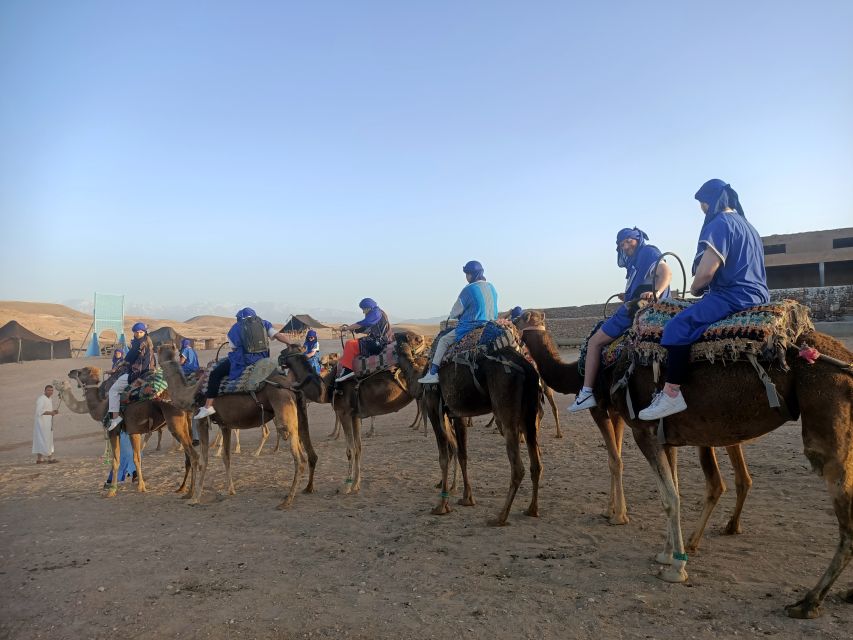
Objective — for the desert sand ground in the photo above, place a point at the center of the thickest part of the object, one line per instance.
(377, 564)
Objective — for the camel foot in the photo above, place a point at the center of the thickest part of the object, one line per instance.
(309, 488)
(617, 519)
(847, 596)
(238, 450)
(141, 488)
(532, 511)
(441, 510)
(284, 505)
(181, 490)
(558, 435)
(732, 528)
(691, 547)
(110, 494)
(466, 501)
(804, 610)
(663, 558)
(232, 491)
(497, 522)
(673, 575)
(257, 454)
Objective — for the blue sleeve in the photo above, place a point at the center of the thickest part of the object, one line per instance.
(718, 237)
(186, 353)
(234, 336)
(370, 319)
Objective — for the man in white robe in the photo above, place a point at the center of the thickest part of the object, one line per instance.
(43, 427)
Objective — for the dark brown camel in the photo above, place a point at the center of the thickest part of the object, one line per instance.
(566, 378)
(140, 418)
(374, 395)
(275, 400)
(505, 384)
(730, 407)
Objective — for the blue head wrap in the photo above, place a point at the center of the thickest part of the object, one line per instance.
(185, 343)
(515, 312)
(118, 354)
(139, 326)
(475, 269)
(623, 260)
(718, 195)
(367, 303)
(246, 312)
(311, 334)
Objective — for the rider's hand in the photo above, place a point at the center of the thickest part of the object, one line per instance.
(621, 296)
(646, 295)
(344, 327)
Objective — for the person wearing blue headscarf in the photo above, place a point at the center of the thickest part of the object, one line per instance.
(728, 272)
(643, 280)
(379, 335)
(126, 465)
(476, 305)
(249, 340)
(311, 347)
(515, 313)
(138, 361)
(188, 356)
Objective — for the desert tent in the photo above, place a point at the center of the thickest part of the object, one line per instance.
(300, 323)
(17, 344)
(165, 335)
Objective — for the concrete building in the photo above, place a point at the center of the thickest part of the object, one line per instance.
(809, 259)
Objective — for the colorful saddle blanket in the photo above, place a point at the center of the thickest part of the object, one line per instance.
(253, 377)
(366, 365)
(765, 332)
(491, 337)
(147, 387)
(609, 353)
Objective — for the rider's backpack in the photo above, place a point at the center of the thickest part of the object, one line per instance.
(253, 335)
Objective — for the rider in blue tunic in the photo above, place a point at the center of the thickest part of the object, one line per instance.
(728, 272)
(312, 350)
(639, 260)
(477, 304)
(188, 357)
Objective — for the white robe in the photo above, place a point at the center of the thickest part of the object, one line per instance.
(43, 427)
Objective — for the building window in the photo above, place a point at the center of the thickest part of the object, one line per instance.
(770, 249)
(842, 243)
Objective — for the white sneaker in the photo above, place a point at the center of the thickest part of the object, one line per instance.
(114, 423)
(430, 378)
(662, 406)
(583, 401)
(204, 412)
(346, 376)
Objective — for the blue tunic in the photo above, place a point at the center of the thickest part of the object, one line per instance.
(126, 466)
(479, 302)
(192, 360)
(238, 357)
(739, 283)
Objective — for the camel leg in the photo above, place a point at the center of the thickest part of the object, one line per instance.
(513, 452)
(612, 429)
(491, 422)
(446, 447)
(180, 429)
(305, 439)
(355, 427)
(414, 426)
(187, 474)
(743, 483)
(714, 488)
(290, 426)
(146, 439)
(226, 459)
(461, 433)
(217, 442)
(659, 461)
(237, 441)
(159, 439)
(336, 430)
(346, 425)
(549, 395)
(372, 431)
(136, 441)
(204, 441)
(115, 445)
(535, 455)
(265, 434)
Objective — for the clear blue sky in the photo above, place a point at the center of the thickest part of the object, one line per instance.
(315, 153)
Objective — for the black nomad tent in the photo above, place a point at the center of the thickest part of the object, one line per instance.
(17, 344)
(300, 323)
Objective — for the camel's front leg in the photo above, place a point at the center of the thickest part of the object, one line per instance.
(336, 430)
(237, 441)
(714, 488)
(265, 434)
(549, 395)
(513, 452)
(180, 428)
(743, 483)
(204, 441)
(136, 441)
(305, 440)
(446, 448)
(346, 427)
(226, 459)
(115, 445)
(355, 426)
(467, 499)
(291, 427)
(535, 456)
(612, 428)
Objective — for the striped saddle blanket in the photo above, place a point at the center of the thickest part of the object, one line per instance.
(364, 366)
(253, 377)
(609, 353)
(491, 337)
(765, 332)
(147, 387)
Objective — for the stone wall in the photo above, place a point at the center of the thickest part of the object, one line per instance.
(826, 303)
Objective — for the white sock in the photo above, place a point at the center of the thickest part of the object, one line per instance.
(585, 390)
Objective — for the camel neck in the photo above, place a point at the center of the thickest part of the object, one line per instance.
(560, 376)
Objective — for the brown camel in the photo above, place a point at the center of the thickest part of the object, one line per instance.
(565, 378)
(274, 400)
(374, 395)
(505, 384)
(140, 418)
(730, 407)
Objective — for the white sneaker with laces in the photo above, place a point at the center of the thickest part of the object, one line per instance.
(662, 406)
(430, 378)
(204, 412)
(114, 422)
(583, 401)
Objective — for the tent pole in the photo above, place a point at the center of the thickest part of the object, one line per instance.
(20, 345)
(84, 338)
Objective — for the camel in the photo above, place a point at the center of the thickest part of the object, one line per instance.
(140, 418)
(503, 383)
(275, 399)
(373, 395)
(730, 407)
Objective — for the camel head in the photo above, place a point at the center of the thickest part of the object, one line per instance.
(167, 352)
(411, 340)
(531, 319)
(329, 361)
(61, 386)
(86, 376)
